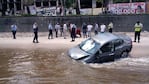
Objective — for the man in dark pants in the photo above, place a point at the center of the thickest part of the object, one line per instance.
(84, 30)
(57, 27)
(35, 29)
(110, 27)
(14, 30)
(138, 27)
(50, 27)
(73, 32)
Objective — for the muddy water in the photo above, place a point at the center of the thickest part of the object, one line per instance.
(42, 66)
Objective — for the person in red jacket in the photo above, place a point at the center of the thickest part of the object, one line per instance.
(78, 32)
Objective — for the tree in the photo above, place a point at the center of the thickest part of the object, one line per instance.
(69, 3)
(77, 7)
(102, 2)
(99, 1)
(27, 3)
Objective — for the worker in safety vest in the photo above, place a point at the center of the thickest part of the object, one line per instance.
(110, 27)
(138, 27)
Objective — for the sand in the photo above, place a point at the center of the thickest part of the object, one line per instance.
(24, 41)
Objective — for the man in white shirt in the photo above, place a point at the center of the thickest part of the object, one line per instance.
(89, 29)
(57, 27)
(102, 27)
(64, 30)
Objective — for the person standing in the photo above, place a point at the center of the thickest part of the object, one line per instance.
(138, 28)
(78, 32)
(61, 30)
(64, 30)
(57, 27)
(102, 28)
(14, 30)
(73, 32)
(96, 28)
(84, 30)
(35, 29)
(89, 29)
(70, 28)
(50, 31)
(58, 11)
(110, 27)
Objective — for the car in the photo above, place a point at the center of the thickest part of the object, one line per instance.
(103, 47)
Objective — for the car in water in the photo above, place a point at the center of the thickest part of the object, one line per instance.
(103, 47)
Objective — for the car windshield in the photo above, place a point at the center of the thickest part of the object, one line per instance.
(89, 46)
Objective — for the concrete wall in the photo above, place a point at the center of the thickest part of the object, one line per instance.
(122, 23)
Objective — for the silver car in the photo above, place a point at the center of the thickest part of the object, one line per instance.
(101, 48)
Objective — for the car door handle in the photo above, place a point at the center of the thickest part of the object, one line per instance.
(111, 54)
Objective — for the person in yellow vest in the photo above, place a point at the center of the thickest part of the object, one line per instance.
(110, 27)
(138, 27)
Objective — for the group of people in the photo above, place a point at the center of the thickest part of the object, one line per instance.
(63, 29)
(74, 31)
(87, 29)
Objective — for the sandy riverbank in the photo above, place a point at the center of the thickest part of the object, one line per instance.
(24, 40)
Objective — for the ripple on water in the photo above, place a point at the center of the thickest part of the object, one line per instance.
(141, 63)
(42, 66)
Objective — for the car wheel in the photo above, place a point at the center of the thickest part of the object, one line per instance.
(124, 54)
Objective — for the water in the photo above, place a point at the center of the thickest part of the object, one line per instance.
(45, 66)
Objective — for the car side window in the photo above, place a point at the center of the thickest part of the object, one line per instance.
(118, 42)
(108, 47)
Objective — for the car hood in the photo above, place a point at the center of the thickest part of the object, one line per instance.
(77, 53)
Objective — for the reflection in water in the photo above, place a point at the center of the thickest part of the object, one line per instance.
(41, 66)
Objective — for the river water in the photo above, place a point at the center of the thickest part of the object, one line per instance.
(43, 66)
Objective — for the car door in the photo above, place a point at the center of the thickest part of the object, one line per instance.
(118, 45)
(106, 52)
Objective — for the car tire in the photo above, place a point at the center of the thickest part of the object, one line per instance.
(124, 54)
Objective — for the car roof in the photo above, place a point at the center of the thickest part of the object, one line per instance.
(105, 37)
